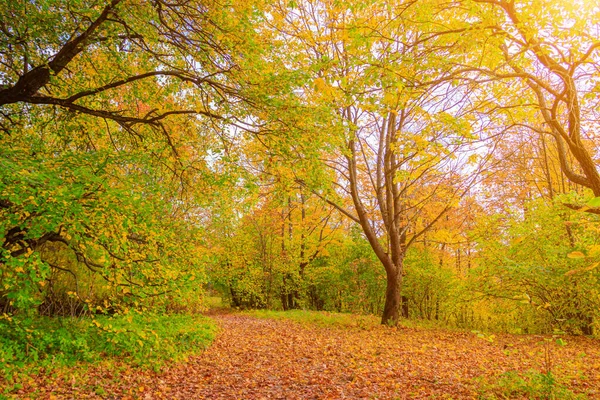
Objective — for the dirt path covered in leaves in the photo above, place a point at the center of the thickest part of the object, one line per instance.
(272, 359)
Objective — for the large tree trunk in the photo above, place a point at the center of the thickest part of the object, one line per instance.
(393, 299)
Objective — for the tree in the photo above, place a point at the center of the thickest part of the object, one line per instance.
(394, 146)
(268, 239)
(539, 61)
(74, 61)
(108, 115)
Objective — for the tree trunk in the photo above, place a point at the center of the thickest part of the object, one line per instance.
(587, 325)
(235, 299)
(284, 302)
(391, 309)
(404, 307)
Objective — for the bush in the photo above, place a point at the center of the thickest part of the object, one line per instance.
(29, 344)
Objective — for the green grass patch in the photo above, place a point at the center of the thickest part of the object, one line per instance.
(29, 345)
(430, 325)
(212, 302)
(530, 385)
(321, 318)
(326, 318)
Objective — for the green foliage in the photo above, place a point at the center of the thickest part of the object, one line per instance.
(103, 175)
(527, 268)
(267, 259)
(530, 385)
(28, 345)
(349, 280)
(594, 202)
(72, 233)
(427, 285)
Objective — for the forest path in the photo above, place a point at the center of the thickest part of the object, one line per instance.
(274, 359)
(255, 358)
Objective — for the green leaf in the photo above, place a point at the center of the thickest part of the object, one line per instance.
(595, 202)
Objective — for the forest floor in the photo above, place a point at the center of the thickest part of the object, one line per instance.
(260, 358)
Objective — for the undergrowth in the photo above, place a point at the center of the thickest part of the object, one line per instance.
(37, 344)
(529, 385)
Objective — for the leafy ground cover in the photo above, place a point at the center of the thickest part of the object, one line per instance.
(35, 349)
(281, 356)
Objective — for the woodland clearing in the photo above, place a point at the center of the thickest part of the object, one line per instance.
(316, 357)
(434, 163)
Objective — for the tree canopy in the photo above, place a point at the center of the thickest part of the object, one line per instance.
(416, 159)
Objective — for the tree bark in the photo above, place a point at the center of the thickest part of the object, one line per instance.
(393, 299)
(31, 82)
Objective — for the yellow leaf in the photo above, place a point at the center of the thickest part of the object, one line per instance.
(594, 251)
(518, 240)
(571, 272)
(591, 267)
(320, 85)
(576, 254)
(574, 271)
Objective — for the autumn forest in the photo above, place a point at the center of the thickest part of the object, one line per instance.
(183, 179)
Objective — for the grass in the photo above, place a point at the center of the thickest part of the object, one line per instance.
(212, 302)
(320, 318)
(34, 344)
(326, 318)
